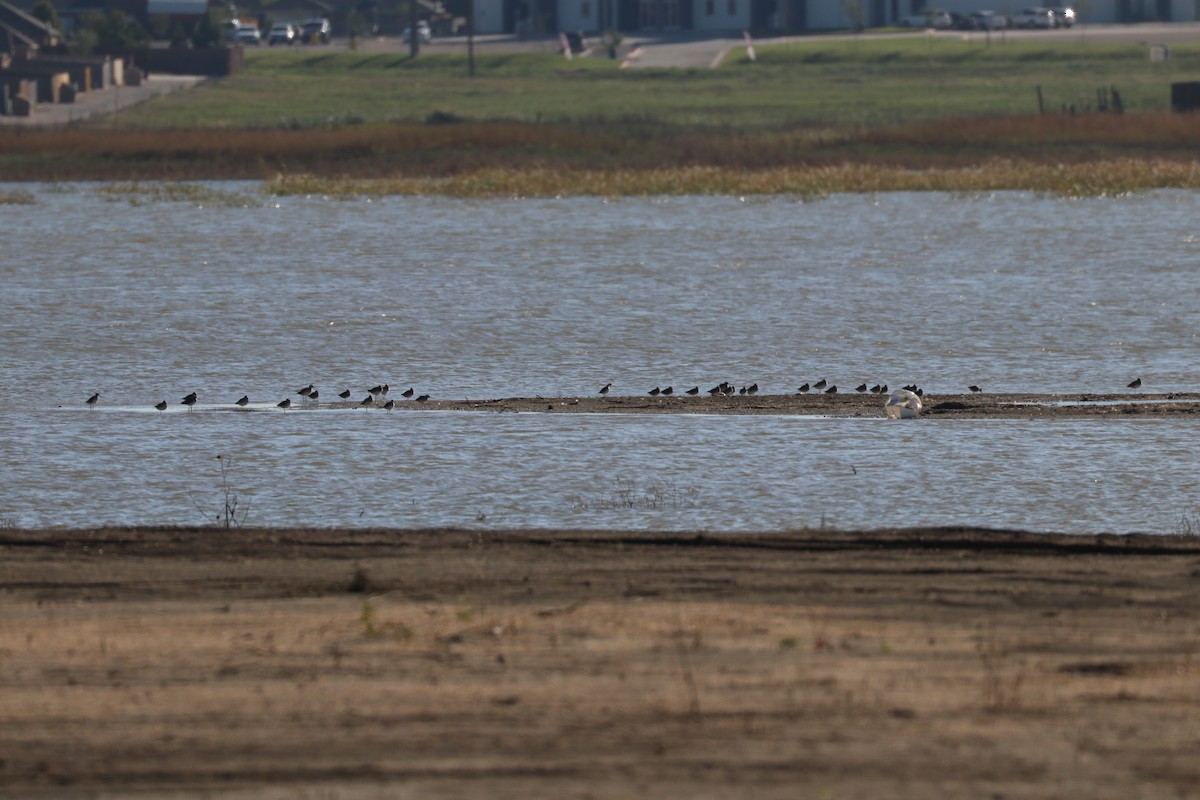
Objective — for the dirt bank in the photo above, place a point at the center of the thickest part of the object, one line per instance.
(354, 664)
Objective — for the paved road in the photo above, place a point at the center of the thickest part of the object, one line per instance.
(699, 51)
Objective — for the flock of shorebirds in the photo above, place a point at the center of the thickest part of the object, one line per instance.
(727, 389)
(377, 396)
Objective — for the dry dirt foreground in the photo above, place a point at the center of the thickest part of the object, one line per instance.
(186, 663)
(843, 404)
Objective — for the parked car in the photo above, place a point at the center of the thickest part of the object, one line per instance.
(963, 22)
(249, 34)
(424, 33)
(282, 34)
(1033, 18)
(940, 20)
(1064, 16)
(229, 30)
(989, 20)
(315, 30)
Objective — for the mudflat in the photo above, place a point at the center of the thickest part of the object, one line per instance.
(844, 403)
(272, 663)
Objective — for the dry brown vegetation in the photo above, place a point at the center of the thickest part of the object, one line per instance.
(355, 664)
(1094, 154)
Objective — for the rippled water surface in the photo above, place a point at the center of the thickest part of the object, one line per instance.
(232, 292)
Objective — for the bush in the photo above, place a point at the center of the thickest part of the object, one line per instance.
(45, 11)
(114, 32)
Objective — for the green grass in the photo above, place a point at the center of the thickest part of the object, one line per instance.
(867, 82)
(910, 113)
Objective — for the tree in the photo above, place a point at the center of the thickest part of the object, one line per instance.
(207, 32)
(45, 11)
(114, 31)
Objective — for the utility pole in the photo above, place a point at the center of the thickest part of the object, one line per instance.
(471, 39)
(413, 44)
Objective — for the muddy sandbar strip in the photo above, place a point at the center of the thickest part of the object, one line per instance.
(1083, 405)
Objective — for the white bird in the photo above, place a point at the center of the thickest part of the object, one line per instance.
(903, 404)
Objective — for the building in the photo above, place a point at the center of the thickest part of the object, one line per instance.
(772, 16)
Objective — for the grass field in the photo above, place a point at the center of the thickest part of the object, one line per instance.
(906, 113)
(871, 82)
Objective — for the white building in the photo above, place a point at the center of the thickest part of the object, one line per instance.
(774, 16)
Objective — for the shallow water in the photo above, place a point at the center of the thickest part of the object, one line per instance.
(244, 293)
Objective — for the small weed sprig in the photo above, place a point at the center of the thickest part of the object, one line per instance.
(1188, 524)
(233, 512)
(16, 197)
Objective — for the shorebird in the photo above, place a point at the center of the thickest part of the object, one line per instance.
(287, 403)
(376, 390)
(875, 389)
(189, 400)
(655, 392)
(91, 401)
(384, 392)
(1136, 383)
(604, 389)
(345, 395)
(422, 398)
(860, 388)
(314, 394)
(831, 390)
(368, 400)
(820, 384)
(742, 391)
(716, 390)
(243, 400)
(389, 405)
(161, 406)
(306, 391)
(803, 389)
(974, 389)
(694, 390)
(407, 393)
(668, 390)
(752, 389)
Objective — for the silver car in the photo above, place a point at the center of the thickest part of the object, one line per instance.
(1033, 18)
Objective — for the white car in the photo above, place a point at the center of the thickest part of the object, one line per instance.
(282, 34)
(249, 34)
(1033, 18)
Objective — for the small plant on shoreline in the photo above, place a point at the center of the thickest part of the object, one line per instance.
(1001, 686)
(1188, 524)
(16, 197)
(233, 512)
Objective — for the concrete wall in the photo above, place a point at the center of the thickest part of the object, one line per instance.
(180, 61)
